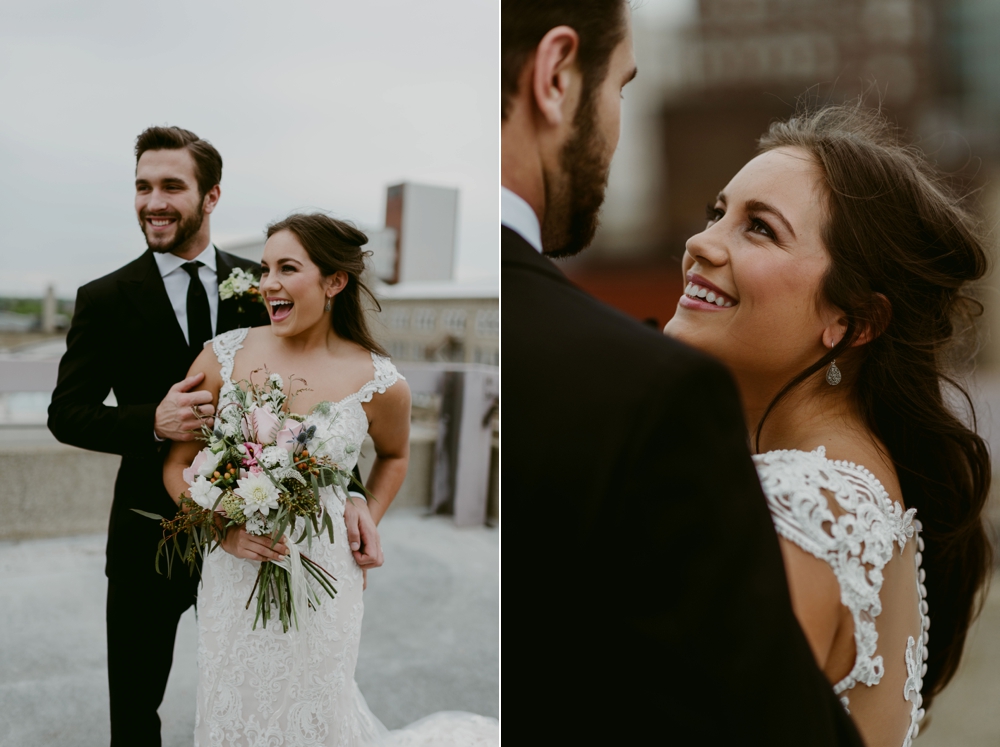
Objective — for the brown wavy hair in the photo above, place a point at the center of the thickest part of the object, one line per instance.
(335, 245)
(903, 250)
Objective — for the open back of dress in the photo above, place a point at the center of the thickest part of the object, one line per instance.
(840, 513)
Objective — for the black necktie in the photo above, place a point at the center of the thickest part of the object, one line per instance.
(199, 316)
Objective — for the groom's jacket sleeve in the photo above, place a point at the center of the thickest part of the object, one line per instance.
(77, 414)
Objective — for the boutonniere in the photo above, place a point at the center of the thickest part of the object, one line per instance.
(242, 286)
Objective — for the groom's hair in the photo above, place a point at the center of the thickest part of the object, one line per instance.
(207, 161)
(599, 23)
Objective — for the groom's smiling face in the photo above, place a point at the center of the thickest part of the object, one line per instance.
(168, 202)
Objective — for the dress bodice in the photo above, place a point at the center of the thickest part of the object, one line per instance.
(341, 426)
(840, 513)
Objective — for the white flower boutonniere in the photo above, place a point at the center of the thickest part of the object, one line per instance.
(242, 286)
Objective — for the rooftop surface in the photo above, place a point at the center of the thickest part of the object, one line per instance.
(430, 642)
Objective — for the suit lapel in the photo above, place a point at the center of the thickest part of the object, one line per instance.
(148, 296)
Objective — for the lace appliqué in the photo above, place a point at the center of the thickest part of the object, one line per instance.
(916, 667)
(857, 544)
(225, 347)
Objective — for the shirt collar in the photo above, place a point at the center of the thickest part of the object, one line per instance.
(168, 262)
(518, 216)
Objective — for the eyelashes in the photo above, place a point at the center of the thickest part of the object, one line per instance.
(756, 224)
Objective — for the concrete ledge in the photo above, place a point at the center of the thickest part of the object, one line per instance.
(49, 489)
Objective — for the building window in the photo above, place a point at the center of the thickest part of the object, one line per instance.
(399, 318)
(424, 319)
(453, 320)
(488, 323)
(489, 356)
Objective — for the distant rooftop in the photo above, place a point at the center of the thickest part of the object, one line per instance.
(421, 291)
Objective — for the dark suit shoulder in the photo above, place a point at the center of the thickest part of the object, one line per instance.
(234, 261)
(134, 270)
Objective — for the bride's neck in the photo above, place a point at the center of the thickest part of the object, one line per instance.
(319, 336)
(804, 418)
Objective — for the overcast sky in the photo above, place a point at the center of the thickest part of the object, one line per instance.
(312, 104)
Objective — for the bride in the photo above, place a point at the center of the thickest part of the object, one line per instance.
(266, 686)
(829, 279)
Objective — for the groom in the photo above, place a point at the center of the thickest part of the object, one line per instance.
(135, 333)
(662, 610)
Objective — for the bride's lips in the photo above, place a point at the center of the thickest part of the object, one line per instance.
(279, 311)
(702, 295)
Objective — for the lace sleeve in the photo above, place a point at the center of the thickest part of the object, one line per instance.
(385, 376)
(856, 538)
(226, 346)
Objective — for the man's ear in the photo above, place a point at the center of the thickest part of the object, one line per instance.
(211, 198)
(556, 79)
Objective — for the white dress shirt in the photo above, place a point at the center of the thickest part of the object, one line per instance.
(518, 216)
(176, 280)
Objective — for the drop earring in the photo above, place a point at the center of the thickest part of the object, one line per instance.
(833, 376)
(329, 305)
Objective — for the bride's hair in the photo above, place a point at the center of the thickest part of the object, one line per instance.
(335, 245)
(902, 248)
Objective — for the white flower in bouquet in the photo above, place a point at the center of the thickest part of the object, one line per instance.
(258, 493)
(276, 381)
(256, 524)
(204, 493)
(211, 463)
(274, 456)
(228, 429)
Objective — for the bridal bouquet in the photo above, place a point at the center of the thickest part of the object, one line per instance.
(257, 470)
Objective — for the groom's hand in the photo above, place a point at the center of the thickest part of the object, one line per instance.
(175, 415)
(362, 535)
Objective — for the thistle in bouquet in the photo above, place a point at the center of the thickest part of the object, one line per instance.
(257, 470)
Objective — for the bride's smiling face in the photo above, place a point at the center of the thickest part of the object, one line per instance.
(753, 277)
(293, 286)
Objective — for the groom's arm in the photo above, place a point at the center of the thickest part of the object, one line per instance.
(708, 617)
(77, 414)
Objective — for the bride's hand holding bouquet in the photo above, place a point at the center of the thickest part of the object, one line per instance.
(248, 488)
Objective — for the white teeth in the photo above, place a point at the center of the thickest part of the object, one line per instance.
(279, 303)
(696, 291)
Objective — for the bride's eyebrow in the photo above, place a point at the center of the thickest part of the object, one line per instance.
(756, 206)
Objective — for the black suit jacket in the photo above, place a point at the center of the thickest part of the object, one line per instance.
(125, 336)
(653, 591)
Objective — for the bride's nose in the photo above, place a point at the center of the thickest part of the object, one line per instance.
(707, 247)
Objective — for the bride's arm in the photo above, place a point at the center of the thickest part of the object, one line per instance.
(815, 594)
(389, 427)
(182, 453)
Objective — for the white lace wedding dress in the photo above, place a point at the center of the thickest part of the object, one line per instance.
(839, 512)
(268, 687)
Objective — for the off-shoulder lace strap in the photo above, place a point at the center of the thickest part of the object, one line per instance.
(857, 542)
(385, 376)
(225, 347)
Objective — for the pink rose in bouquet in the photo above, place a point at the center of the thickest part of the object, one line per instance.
(287, 437)
(265, 425)
(192, 472)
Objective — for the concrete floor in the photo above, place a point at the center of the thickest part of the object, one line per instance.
(430, 642)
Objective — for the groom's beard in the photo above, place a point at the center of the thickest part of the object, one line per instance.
(572, 205)
(187, 227)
